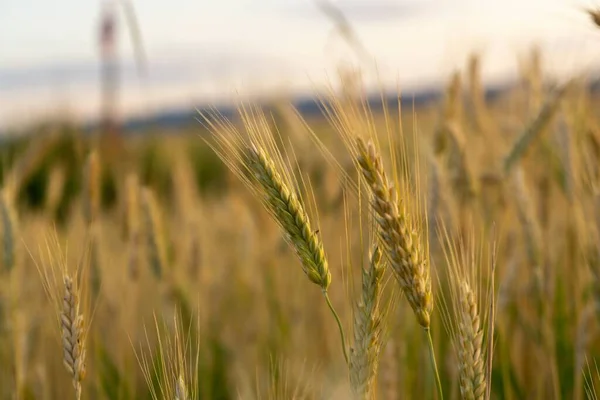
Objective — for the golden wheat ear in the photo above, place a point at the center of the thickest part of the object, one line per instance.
(467, 309)
(63, 287)
(393, 199)
(72, 324)
(406, 256)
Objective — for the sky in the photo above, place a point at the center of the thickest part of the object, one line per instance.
(205, 50)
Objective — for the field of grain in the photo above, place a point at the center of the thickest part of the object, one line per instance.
(448, 251)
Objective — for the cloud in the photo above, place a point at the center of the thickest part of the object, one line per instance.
(165, 67)
(362, 10)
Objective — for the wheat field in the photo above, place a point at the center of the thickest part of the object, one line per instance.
(446, 251)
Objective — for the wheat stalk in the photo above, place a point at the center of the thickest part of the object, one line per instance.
(132, 223)
(289, 213)
(478, 105)
(8, 217)
(529, 224)
(259, 164)
(91, 192)
(56, 187)
(539, 123)
(153, 233)
(91, 210)
(457, 164)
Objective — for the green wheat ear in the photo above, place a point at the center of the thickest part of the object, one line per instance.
(283, 203)
(256, 161)
(368, 327)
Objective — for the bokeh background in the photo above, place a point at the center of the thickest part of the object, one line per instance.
(195, 53)
(105, 161)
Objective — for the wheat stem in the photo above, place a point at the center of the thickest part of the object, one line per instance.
(434, 364)
(339, 324)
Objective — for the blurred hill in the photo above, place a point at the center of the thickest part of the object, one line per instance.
(309, 106)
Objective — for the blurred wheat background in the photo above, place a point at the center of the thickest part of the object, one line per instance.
(379, 248)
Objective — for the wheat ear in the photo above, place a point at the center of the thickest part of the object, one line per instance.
(91, 210)
(470, 309)
(73, 335)
(285, 206)
(364, 355)
(255, 160)
(132, 224)
(283, 203)
(470, 346)
(407, 259)
(64, 291)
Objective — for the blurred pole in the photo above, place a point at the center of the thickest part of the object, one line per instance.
(109, 75)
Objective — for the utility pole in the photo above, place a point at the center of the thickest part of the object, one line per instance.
(109, 75)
